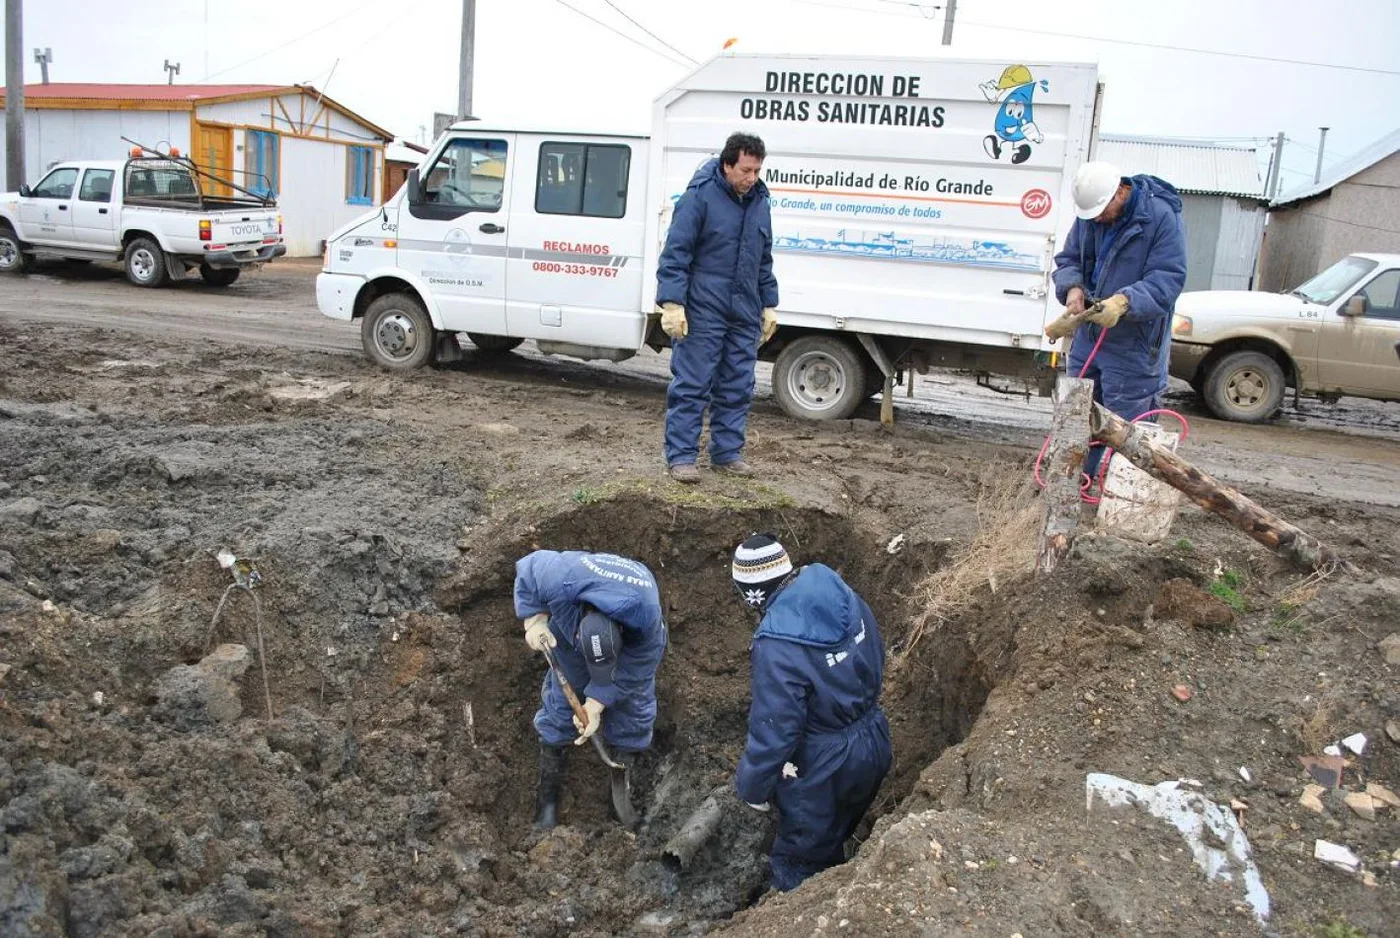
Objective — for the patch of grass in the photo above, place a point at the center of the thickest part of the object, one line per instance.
(1185, 546)
(1232, 579)
(1341, 929)
(1289, 619)
(584, 496)
(1227, 594)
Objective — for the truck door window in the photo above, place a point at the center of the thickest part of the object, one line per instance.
(56, 185)
(583, 179)
(97, 186)
(470, 174)
(1383, 296)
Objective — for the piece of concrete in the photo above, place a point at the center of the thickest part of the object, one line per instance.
(1362, 805)
(1312, 798)
(1383, 795)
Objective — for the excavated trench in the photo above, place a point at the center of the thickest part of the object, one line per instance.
(393, 792)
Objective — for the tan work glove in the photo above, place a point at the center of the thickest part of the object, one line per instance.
(1109, 311)
(594, 710)
(673, 320)
(1063, 327)
(770, 324)
(537, 633)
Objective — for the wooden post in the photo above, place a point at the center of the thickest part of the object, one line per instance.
(1063, 466)
(1214, 496)
(887, 402)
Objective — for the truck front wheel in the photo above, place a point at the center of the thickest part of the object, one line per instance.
(145, 263)
(1244, 386)
(397, 333)
(13, 259)
(819, 378)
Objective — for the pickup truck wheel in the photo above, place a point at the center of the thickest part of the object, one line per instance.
(1244, 386)
(218, 277)
(145, 263)
(13, 259)
(494, 343)
(819, 378)
(397, 333)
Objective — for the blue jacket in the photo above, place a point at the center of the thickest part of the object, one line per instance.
(818, 664)
(718, 259)
(624, 590)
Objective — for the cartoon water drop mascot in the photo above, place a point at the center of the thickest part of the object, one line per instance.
(1015, 121)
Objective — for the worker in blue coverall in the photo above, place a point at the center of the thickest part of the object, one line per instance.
(601, 615)
(1125, 264)
(717, 295)
(818, 743)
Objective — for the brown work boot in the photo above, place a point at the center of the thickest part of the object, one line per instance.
(736, 468)
(684, 472)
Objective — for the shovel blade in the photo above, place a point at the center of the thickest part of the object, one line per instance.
(622, 797)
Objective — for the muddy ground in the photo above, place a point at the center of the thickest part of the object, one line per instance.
(144, 791)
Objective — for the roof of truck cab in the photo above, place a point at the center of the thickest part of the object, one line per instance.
(550, 130)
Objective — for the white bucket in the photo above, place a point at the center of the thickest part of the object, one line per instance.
(1134, 505)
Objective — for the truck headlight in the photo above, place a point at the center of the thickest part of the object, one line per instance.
(1181, 325)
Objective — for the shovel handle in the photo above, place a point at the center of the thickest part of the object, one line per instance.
(574, 703)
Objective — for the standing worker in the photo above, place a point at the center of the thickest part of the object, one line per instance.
(818, 744)
(717, 296)
(1124, 264)
(600, 614)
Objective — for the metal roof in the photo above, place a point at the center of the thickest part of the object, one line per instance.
(1189, 165)
(94, 91)
(1344, 170)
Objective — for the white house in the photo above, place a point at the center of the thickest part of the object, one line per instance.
(324, 163)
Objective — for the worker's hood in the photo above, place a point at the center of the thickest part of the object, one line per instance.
(814, 608)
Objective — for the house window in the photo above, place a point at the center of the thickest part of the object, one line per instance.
(260, 159)
(359, 176)
(582, 179)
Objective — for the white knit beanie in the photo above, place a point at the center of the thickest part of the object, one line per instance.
(761, 564)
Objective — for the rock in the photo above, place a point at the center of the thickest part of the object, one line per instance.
(21, 511)
(7, 565)
(310, 391)
(1362, 804)
(1383, 795)
(497, 429)
(1390, 649)
(1312, 798)
(1392, 729)
(197, 695)
(1181, 600)
(4, 670)
(1182, 693)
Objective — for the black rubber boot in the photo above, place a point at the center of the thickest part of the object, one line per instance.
(621, 778)
(552, 761)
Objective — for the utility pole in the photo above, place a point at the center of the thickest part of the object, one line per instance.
(467, 61)
(171, 71)
(948, 15)
(1321, 145)
(43, 57)
(14, 94)
(1275, 169)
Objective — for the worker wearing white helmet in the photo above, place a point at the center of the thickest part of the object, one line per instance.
(1121, 270)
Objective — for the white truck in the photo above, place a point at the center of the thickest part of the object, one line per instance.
(916, 208)
(149, 212)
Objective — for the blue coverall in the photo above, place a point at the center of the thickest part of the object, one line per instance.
(718, 264)
(818, 663)
(561, 584)
(1142, 256)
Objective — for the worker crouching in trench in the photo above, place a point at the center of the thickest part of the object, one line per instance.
(597, 618)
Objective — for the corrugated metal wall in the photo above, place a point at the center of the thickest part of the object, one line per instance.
(53, 136)
(1201, 216)
(1237, 245)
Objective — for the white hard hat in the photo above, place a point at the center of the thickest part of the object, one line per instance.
(1094, 187)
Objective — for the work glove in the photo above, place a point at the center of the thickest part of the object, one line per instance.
(1107, 312)
(770, 324)
(594, 710)
(673, 320)
(1062, 327)
(537, 633)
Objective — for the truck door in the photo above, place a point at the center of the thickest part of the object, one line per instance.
(1358, 352)
(47, 213)
(453, 233)
(575, 268)
(94, 224)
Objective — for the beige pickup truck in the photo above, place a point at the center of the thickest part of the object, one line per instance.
(1336, 335)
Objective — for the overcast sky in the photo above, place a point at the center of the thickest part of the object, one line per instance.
(537, 61)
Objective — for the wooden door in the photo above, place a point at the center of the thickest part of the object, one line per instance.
(214, 154)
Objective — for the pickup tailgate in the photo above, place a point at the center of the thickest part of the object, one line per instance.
(244, 229)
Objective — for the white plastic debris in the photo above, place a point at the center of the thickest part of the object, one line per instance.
(1193, 815)
(225, 558)
(1356, 743)
(1244, 774)
(789, 770)
(98, 698)
(1337, 855)
(895, 545)
(1332, 751)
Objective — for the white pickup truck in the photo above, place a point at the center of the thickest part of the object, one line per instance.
(1336, 335)
(147, 212)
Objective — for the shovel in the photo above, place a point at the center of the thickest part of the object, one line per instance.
(621, 778)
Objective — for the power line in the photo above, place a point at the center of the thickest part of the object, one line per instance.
(617, 32)
(649, 32)
(262, 55)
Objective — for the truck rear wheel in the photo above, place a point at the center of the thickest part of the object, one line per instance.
(819, 378)
(13, 259)
(1244, 386)
(494, 343)
(218, 276)
(145, 263)
(397, 333)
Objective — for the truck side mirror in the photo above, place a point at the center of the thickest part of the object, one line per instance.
(415, 187)
(25, 191)
(1356, 306)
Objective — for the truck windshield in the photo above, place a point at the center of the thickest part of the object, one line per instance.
(164, 181)
(1335, 280)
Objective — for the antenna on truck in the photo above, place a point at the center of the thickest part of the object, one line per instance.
(173, 154)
